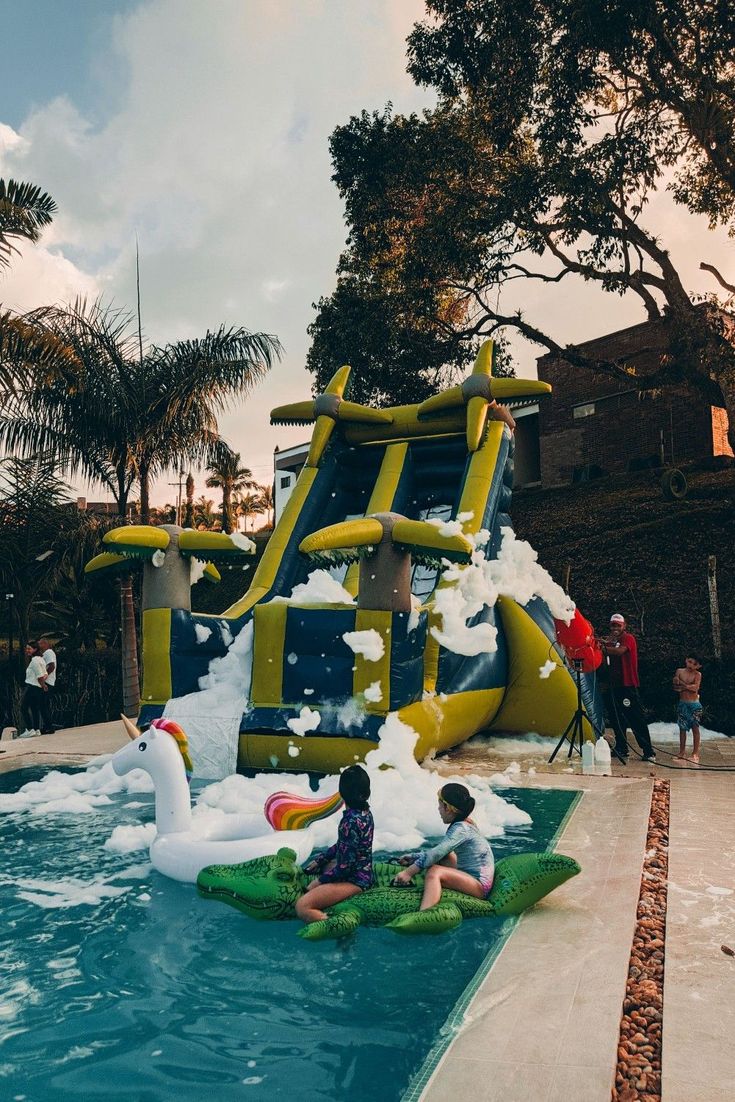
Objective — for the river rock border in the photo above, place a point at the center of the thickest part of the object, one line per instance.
(638, 1073)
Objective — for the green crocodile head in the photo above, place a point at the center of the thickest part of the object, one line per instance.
(266, 887)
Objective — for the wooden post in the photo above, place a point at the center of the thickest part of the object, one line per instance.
(714, 608)
(567, 575)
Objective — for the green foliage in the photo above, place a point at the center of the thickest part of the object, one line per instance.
(33, 512)
(45, 542)
(555, 123)
(24, 211)
(78, 611)
(404, 313)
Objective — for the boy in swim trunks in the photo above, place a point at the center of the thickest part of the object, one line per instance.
(687, 680)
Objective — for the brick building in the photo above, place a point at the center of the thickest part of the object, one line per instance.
(593, 424)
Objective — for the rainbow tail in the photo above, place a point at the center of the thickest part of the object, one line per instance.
(285, 811)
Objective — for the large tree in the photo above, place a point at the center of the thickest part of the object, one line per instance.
(555, 122)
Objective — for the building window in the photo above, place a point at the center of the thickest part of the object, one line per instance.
(285, 481)
(585, 409)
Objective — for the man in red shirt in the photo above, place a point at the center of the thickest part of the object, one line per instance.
(626, 709)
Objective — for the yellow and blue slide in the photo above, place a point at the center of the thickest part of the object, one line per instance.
(373, 482)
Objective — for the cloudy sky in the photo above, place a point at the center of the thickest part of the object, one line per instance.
(202, 127)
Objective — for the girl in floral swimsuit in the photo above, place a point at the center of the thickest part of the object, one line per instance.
(346, 868)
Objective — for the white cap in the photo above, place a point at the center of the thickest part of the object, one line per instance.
(617, 618)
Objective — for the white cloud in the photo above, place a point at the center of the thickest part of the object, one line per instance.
(218, 158)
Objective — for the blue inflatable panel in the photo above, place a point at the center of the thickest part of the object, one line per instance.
(268, 721)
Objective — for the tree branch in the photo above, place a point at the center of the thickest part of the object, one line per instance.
(722, 282)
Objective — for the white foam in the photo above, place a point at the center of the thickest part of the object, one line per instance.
(62, 894)
(403, 799)
(669, 732)
(369, 643)
(374, 692)
(202, 633)
(466, 590)
(196, 571)
(308, 719)
(74, 793)
(129, 838)
(243, 542)
(319, 588)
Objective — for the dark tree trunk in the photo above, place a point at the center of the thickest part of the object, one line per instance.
(145, 506)
(226, 509)
(128, 628)
(130, 674)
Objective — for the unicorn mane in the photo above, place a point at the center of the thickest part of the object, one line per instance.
(179, 736)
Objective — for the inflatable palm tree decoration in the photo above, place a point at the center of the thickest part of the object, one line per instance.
(479, 394)
(326, 410)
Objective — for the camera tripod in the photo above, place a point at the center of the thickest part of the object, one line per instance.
(574, 730)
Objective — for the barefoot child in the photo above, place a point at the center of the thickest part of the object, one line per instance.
(463, 860)
(687, 680)
(346, 868)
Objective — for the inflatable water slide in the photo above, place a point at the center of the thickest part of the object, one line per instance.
(399, 504)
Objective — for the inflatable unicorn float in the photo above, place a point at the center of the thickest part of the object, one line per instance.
(181, 847)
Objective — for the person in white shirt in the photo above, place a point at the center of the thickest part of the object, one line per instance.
(33, 691)
(47, 704)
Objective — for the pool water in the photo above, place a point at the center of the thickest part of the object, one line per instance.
(116, 983)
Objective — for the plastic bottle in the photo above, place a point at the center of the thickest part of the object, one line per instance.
(588, 757)
(603, 765)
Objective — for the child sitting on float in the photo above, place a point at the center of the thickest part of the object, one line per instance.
(463, 861)
(346, 868)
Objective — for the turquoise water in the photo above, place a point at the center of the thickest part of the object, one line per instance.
(154, 995)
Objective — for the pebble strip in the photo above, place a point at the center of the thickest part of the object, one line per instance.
(638, 1074)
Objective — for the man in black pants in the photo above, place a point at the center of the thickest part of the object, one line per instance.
(626, 709)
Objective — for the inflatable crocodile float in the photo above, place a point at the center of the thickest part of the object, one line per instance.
(268, 887)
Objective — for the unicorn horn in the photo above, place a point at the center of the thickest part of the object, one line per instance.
(131, 730)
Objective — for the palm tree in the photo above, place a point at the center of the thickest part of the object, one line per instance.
(24, 211)
(266, 502)
(118, 413)
(203, 509)
(231, 478)
(248, 505)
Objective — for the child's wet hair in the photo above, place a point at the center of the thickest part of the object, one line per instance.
(354, 787)
(458, 798)
(694, 657)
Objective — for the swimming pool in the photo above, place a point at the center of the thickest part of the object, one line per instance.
(117, 983)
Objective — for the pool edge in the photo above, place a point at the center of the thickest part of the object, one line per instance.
(448, 1031)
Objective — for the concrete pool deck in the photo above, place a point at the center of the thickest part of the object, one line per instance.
(544, 1023)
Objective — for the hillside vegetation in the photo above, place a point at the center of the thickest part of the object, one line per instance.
(628, 549)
